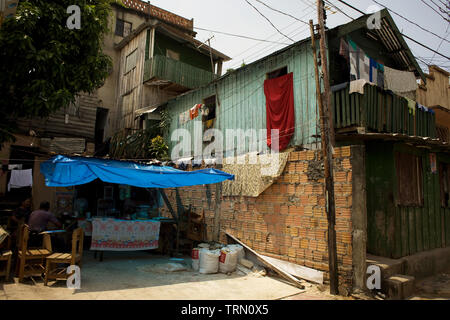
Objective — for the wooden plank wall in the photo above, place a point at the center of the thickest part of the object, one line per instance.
(398, 231)
(130, 85)
(380, 111)
(81, 122)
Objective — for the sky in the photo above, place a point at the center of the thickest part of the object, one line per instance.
(238, 17)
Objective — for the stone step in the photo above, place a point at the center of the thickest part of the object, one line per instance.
(398, 287)
(388, 267)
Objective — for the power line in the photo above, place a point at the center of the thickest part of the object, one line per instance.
(269, 46)
(445, 4)
(268, 20)
(338, 9)
(439, 7)
(421, 44)
(404, 35)
(440, 44)
(349, 5)
(435, 10)
(240, 36)
(416, 24)
(284, 13)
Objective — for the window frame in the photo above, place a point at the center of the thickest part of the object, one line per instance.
(277, 73)
(120, 31)
(415, 176)
(126, 61)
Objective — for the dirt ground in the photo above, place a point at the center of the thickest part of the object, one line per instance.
(132, 276)
(436, 287)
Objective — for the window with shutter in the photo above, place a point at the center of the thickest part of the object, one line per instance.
(409, 179)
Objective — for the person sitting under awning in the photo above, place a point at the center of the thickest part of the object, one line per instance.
(39, 221)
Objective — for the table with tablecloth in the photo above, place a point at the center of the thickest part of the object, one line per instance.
(110, 234)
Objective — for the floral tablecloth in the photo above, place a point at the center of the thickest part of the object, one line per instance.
(123, 235)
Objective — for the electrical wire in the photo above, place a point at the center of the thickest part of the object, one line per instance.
(435, 10)
(269, 49)
(268, 20)
(440, 44)
(265, 49)
(338, 9)
(404, 35)
(439, 7)
(283, 13)
(240, 36)
(412, 22)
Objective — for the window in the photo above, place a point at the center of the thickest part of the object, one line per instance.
(444, 181)
(123, 28)
(131, 61)
(210, 105)
(409, 179)
(277, 73)
(172, 55)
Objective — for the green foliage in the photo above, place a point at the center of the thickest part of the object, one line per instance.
(142, 144)
(165, 122)
(158, 148)
(44, 64)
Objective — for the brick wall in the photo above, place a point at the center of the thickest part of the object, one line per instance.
(288, 221)
(160, 13)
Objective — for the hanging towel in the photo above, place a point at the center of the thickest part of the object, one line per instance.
(358, 86)
(279, 94)
(364, 69)
(20, 179)
(399, 81)
(411, 106)
(354, 55)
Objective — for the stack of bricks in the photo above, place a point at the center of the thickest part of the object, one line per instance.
(288, 221)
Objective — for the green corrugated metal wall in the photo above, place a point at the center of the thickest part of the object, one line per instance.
(242, 100)
(398, 231)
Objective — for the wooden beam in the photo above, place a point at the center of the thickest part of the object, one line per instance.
(297, 270)
(169, 206)
(217, 213)
(261, 258)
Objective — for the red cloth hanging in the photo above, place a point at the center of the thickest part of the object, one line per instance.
(280, 109)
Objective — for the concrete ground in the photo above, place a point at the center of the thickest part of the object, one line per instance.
(132, 276)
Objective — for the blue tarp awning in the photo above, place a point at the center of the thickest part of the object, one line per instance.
(62, 171)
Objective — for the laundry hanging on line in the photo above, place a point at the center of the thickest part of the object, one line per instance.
(20, 179)
(362, 67)
(399, 81)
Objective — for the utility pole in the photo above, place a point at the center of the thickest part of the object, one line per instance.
(324, 59)
(210, 54)
(327, 134)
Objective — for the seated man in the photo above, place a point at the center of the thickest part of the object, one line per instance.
(39, 219)
(38, 222)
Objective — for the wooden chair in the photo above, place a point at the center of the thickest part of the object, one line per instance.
(31, 260)
(6, 257)
(74, 258)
